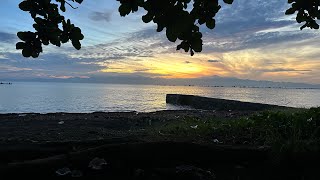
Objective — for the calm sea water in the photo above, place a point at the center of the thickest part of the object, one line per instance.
(80, 97)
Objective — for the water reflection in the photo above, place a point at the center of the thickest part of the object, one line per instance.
(74, 97)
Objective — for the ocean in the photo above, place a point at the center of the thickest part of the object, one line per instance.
(31, 97)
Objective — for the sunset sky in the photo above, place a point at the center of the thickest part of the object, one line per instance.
(253, 39)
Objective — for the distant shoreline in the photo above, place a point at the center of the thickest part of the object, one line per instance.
(190, 85)
(253, 87)
(8, 83)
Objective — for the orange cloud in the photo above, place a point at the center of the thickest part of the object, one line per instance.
(169, 66)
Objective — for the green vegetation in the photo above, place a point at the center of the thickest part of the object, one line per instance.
(296, 130)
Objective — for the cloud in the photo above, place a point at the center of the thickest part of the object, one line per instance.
(239, 26)
(134, 46)
(252, 39)
(8, 68)
(142, 70)
(285, 70)
(101, 16)
(252, 11)
(48, 65)
(7, 37)
(248, 24)
(68, 77)
(213, 61)
(242, 25)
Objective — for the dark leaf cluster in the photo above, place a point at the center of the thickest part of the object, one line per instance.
(50, 27)
(177, 18)
(181, 20)
(307, 12)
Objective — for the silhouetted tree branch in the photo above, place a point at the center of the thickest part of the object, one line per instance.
(175, 16)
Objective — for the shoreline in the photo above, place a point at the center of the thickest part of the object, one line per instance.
(80, 126)
(196, 141)
(185, 85)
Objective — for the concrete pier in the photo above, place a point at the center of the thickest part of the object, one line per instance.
(206, 103)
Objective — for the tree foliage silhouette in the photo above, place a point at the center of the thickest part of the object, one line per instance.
(177, 17)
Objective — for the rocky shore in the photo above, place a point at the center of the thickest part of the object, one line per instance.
(65, 127)
(134, 145)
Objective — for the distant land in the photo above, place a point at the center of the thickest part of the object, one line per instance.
(215, 81)
(9, 83)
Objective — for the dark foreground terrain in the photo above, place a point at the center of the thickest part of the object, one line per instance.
(192, 144)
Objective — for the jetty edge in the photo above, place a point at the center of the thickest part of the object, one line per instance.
(206, 103)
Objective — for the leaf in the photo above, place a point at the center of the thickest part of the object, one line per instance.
(124, 9)
(26, 36)
(171, 35)
(179, 47)
(196, 45)
(304, 26)
(195, 28)
(45, 41)
(314, 25)
(183, 45)
(27, 51)
(63, 7)
(76, 44)
(25, 6)
(64, 38)
(66, 25)
(76, 34)
(39, 20)
(35, 54)
(147, 18)
(300, 18)
(55, 41)
(211, 23)
(79, 1)
(290, 11)
(20, 45)
(191, 52)
(197, 35)
(201, 20)
(160, 28)
(228, 1)
(134, 8)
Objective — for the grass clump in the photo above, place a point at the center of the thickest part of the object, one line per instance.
(283, 130)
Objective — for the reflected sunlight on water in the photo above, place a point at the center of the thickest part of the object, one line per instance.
(76, 97)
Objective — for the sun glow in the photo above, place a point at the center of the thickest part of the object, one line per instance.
(169, 66)
(253, 63)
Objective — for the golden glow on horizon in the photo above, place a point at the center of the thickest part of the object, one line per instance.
(169, 66)
(273, 63)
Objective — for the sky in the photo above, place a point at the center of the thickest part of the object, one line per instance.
(253, 39)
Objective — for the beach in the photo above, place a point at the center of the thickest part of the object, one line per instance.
(64, 127)
(161, 145)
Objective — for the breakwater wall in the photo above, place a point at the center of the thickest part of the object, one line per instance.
(206, 103)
